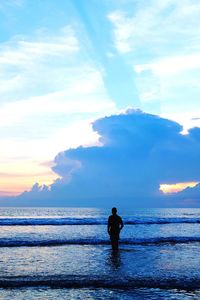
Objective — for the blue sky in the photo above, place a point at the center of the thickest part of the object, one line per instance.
(65, 64)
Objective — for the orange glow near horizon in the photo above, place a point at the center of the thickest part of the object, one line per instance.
(17, 176)
(13, 185)
(176, 187)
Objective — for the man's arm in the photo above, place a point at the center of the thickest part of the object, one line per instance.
(121, 224)
(108, 227)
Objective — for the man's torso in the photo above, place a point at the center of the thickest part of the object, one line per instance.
(115, 222)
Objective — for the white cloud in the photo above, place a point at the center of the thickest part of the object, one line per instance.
(149, 95)
(26, 157)
(23, 52)
(5, 4)
(171, 65)
(45, 86)
(47, 75)
(169, 80)
(124, 30)
(161, 39)
(85, 94)
(38, 65)
(183, 118)
(157, 27)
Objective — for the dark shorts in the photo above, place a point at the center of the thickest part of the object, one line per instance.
(114, 236)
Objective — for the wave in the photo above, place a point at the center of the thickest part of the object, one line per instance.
(91, 221)
(67, 281)
(60, 242)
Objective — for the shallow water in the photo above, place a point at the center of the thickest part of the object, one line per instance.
(159, 255)
(89, 294)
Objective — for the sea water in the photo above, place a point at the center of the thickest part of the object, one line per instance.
(65, 253)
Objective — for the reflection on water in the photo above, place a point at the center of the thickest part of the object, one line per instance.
(114, 260)
(95, 266)
(100, 293)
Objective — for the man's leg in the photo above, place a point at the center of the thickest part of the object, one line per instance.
(115, 242)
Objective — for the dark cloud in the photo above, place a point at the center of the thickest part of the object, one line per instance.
(189, 193)
(189, 197)
(139, 152)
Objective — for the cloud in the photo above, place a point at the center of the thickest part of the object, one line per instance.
(36, 64)
(6, 5)
(46, 74)
(124, 29)
(171, 65)
(137, 153)
(161, 40)
(189, 197)
(50, 78)
(23, 52)
(82, 98)
(166, 25)
(190, 192)
(48, 89)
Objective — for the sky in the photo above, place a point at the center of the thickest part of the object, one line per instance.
(67, 70)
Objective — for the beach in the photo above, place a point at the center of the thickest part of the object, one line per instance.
(65, 253)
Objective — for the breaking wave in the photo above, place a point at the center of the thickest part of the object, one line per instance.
(67, 281)
(91, 221)
(59, 242)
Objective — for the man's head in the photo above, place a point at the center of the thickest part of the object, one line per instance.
(114, 210)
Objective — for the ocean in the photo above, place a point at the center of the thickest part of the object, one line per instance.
(65, 253)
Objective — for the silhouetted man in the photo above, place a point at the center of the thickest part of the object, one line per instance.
(115, 225)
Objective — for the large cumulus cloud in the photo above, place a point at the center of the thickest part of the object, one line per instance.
(138, 152)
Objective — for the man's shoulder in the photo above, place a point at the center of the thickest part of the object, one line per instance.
(119, 217)
(114, 217)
